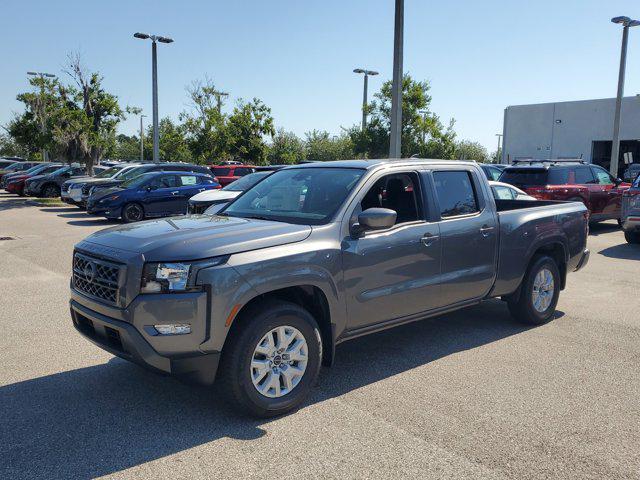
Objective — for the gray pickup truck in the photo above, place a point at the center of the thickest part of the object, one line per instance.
(259, 295)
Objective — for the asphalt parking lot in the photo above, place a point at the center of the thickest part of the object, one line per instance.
(466, 395)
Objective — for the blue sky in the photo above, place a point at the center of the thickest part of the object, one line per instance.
(298, 56)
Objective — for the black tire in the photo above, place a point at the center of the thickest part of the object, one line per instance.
(523, 309)
(132, 212)
(632, 237)
(50, 191)
(234, 373)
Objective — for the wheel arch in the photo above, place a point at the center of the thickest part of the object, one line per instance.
(310, 297)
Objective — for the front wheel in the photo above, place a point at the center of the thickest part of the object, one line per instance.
(632, 237)
(50, 191)
(539, 292)
(269, 366)
(132, 212)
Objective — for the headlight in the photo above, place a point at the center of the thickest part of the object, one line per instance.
(174, 277)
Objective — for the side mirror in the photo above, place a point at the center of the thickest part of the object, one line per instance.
(374, 219)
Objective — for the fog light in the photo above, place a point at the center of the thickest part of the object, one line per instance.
(173, 329)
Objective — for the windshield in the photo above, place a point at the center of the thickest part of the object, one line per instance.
(108, 173)
(131, 173)
(303, 196)
(57, 171)
(135, 181)
(246, 182)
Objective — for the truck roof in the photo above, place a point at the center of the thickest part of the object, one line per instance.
(371, 163)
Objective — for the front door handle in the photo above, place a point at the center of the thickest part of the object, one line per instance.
(485, 230)
(429, 239)
(175, 193)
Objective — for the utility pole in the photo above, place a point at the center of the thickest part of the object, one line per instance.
(219, 96)
(395, 144)
(42, 113)
(154, 73)
(364, 93)
(626, 22)
(141, 139)
(499, 135)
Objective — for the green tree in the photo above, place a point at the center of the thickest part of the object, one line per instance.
(286, 148)
(321, 146)
(10, 148)
(468, 150)
(423, 133)
(126, 147)
(173, 144)
(247, 128)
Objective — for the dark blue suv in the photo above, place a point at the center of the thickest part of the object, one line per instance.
(156, 194)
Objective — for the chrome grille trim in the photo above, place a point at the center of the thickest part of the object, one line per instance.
(97, 278)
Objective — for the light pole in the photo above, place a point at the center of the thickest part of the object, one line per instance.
(141, 139)
(626, 22)
(42, 112)
(154, 70)
(364, 94)
(424, 120)
(395, 143)
(499, 135)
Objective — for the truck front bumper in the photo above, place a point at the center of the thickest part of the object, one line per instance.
(584, 259)
(124, 340)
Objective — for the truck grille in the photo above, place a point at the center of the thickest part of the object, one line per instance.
(96, 278)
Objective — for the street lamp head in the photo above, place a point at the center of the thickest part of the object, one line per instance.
(164, 39)
(622, 20)
(358, 70)
(50, 75)
(372, 72)
(142, 36)
(32, 73)
(625, 21)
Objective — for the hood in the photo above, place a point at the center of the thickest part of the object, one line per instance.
(105, 192)
(214, 196)
(197, 237)
(36, 178)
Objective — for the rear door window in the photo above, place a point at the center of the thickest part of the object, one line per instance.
(242, 171)
(221, 171)
(456, 193)
(164, 181)
(189, 180)
(524, 177)
(584, 176)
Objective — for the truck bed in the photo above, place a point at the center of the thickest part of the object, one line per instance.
(525, 225)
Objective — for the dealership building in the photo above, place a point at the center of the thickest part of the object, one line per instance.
(581, 129)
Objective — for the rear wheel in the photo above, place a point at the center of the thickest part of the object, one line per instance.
(269, 366)
(539, 292)
(132, 212)
(50, 191)
(632, 237)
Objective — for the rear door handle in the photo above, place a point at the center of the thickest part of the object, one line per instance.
(175, 193)
(201, 189)
(485, 230)
(429, 239)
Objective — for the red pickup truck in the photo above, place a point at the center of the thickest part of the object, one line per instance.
(227, 174)
(572, 181)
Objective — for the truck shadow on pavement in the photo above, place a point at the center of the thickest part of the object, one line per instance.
(103, 419)
(624, 251)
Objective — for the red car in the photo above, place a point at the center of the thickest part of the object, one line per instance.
(225, 174)
(15, 183)
(572, 181)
